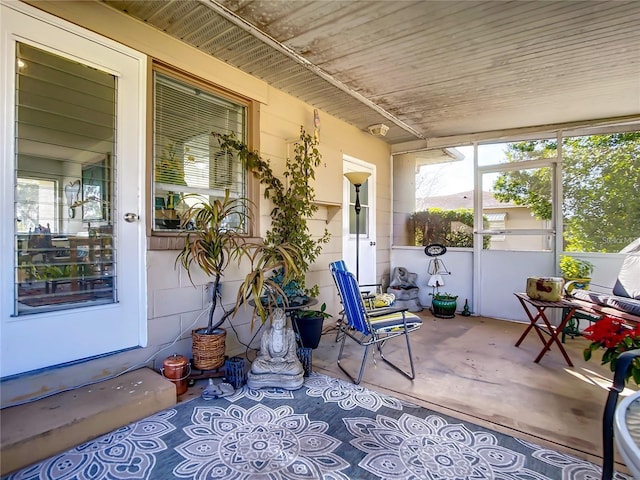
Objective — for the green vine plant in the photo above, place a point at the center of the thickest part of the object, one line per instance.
(293, 199)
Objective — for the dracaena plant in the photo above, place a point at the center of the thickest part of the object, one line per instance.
(215, 237)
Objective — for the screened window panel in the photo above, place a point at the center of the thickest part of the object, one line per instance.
(528, 225)
(498, 153)
(65, 134)
(188, 160)
(600, 180)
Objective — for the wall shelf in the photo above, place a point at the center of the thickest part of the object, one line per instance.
(332, 209)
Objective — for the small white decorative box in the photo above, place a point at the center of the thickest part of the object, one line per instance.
(547, 289)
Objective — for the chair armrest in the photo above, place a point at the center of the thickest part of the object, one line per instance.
(622, 365)
(366, 288)
(378, 312)
(619, 378)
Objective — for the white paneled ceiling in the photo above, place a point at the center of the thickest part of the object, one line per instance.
(425, 68)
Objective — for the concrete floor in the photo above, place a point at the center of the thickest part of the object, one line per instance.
(469, 368)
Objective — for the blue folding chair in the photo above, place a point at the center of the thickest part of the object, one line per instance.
(371, 327)
(365, 291)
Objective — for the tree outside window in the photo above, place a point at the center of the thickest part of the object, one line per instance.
(600, 180)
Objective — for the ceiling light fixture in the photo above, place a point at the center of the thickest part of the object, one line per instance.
(378, 130)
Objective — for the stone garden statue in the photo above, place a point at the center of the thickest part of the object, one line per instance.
(277, 363)
(404, 286)
(404, 279)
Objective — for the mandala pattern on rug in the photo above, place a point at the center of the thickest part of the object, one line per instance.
(570, 466)
(236, 443)
(127, 453)
(347, 395)
(260, 394)
(431, 448)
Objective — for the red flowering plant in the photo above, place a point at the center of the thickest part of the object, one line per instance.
(615, 337)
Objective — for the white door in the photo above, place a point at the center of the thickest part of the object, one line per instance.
(72, 282)
(365, 268)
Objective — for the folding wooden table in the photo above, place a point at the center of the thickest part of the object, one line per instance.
(539, 307)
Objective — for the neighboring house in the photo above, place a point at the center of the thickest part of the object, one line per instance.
(501, 216)
(156, 305)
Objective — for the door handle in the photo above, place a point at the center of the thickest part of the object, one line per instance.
(130, 217)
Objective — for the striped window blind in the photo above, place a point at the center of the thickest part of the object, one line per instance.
(187, 158)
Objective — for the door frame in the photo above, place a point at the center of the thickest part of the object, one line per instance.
(367, 244)
(23, 23)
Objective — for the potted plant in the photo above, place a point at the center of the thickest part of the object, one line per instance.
(211, 245)
(259, 289)
(576, 271)
(615, 337)
(308, 323)
(293, 205)
(293, 293)
(443, 305)
(214, 238)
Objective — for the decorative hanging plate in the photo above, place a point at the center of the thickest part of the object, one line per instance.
(435, 250)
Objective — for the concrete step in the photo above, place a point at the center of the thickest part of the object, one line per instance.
(40, 429)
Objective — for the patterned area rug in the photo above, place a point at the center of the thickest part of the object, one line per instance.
(328, 429)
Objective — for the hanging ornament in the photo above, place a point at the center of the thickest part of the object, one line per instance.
(436, 267)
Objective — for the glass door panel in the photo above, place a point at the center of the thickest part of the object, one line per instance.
(65, 139)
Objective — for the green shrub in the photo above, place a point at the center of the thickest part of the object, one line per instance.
(434, 225)
(572, 267)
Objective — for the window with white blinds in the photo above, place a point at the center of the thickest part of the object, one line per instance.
(65, 136)
(187, 158)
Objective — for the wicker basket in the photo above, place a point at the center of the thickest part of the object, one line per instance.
(208, 350)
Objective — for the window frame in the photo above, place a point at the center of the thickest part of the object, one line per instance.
(553, 163)
(174, 240)
(556, 226)
(56, 199)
